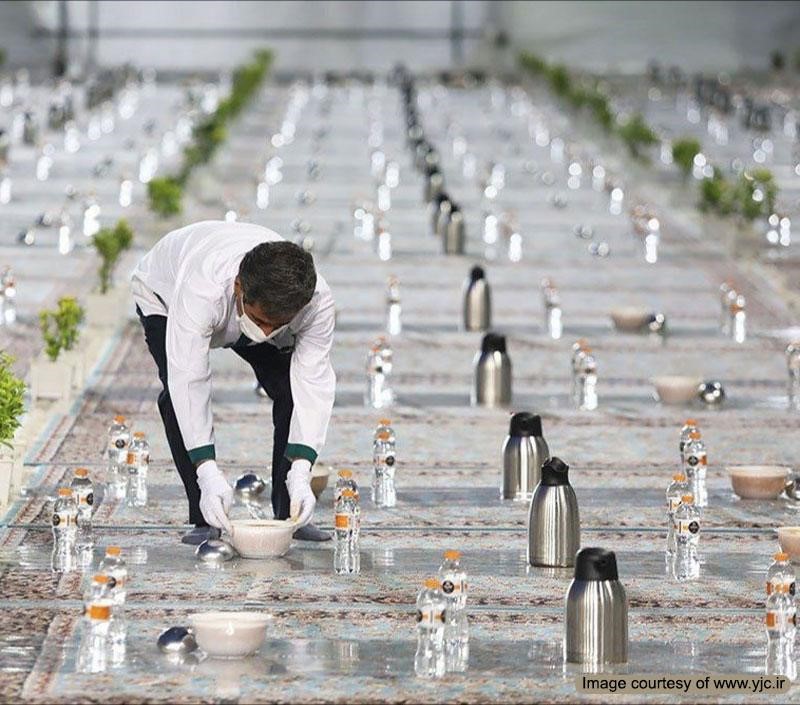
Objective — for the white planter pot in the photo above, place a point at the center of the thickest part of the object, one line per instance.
(18, 472)
(105, 310)
(76, 360)
(6, 471)
(50, 380)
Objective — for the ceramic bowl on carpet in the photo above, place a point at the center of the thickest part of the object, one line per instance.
(676, 389)
(789, 540)
(758, 481)
(630, 319)
(262, 538)
(229, 634)
(319, 478)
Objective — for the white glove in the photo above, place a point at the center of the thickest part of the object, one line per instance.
(216, 495)
(302, 499)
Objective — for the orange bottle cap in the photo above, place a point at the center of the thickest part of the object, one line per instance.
(432, 583)
(687, 499)
(690, 422)
(81, 472)
(64, 492)
(119, 419)
(346, 473)
(679, 477)
(452, 555)
(781, 556)
(383, 436)
(139, 434)
(385, 422)
(348, 493)
(113, 551)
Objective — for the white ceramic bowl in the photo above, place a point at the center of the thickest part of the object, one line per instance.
(319, 478)
(789, 539)
(262, 538)
(758, 481)
(675, 389)
(630, 318)
(229, 634)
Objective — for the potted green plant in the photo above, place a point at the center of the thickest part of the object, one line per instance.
(684, 151)
(12, 392)
(638, 136)
(716, 194)
(68, 317)
(51, 377)
(102, 309)
(164, 194)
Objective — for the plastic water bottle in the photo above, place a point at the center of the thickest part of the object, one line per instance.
(119, 438)
(739, 319)
(675, 490)
(137, 463)
(344, 481)
(113, 565)
(689, 426)
(83, 492)
(687, 522)
(394, 325)
(586, 381)
(379, 369)
(97, 619)
(793, 366)
(384, 493)
(430, 659)
(456, 632)
(552, 310)
(781, 616)
(346, 558)
(578, 348)
(694, 467)
(781, 572)
(65, 517)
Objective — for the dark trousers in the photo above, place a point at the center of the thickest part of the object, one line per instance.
(271, 367)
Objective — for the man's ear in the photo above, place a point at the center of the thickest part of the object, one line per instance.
(237, 286)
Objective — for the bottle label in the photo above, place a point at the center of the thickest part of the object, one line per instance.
(90, 498)
(673, 504)
(85, 499)
(454, 588)
(63, 519)
(769, 587)
(772, 620)
(119, 444)
(688, 527)
(792, 588)
(343, 521)
(430, 617)
(390, 460)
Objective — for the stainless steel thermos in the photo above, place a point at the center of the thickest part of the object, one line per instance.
(455, 233)
(554, 532)
(524, 451)
(477, 301)
(492, 365)
(596, 627)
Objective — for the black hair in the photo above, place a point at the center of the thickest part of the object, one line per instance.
(279, 278)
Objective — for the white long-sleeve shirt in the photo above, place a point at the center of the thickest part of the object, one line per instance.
(188, 277)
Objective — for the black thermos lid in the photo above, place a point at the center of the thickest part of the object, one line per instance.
(524, 423)
(596, 564)
(493, 342)
(554, 472)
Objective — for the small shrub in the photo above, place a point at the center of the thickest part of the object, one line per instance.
(716, 194)
(559, 80)
(110, 243)
(637, 135)
(165, 196)
(12, 392)
(52, 340)
(69, 316)
(758, 181)
(684, 151)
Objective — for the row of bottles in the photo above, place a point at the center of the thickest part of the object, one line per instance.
(128, 462)
(442, 623)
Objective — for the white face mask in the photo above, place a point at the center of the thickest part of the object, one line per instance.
(251, 330)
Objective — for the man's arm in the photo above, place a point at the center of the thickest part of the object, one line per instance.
(313, 383)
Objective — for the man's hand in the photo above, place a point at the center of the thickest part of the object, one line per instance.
(302, 499)
(216, 495)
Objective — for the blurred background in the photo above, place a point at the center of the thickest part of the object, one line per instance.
(329, 35)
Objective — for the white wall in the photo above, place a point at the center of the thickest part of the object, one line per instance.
(610, 35)
(624, 35)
